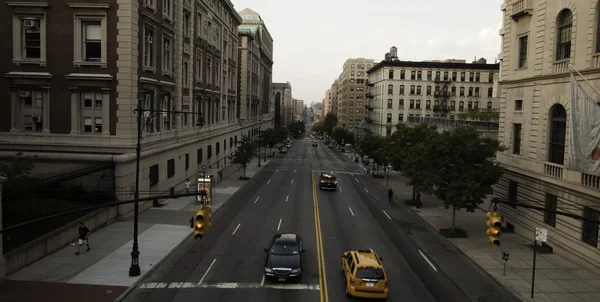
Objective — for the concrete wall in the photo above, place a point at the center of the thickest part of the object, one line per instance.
(53, 241)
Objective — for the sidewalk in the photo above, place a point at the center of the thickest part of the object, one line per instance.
(557, 279)
(161, 230)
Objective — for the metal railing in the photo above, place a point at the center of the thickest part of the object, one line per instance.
(451, 123)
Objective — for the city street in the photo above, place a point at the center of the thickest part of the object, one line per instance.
(228, 263)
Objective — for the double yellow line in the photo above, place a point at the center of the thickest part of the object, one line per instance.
(324, 295)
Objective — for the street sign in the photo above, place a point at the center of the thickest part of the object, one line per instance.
(203, 167)
(541, 234)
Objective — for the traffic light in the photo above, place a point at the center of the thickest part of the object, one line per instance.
(201, 221)
(494, 224)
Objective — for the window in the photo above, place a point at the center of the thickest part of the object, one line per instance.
(462, 91)
(412, 74)
(563, 39)
(419, 75)
(551, 205)
(186, 25)
(389, 103)
(167, 9)
(209, 151)
(412, 89)
(185, 74)
(419, 90)
(462, 76)
(149, 60)
(418, 104)
(150, 4)
(598, 30)
(390, 89)
(428, 90)
(518, 105)
(170, 168)
(401, 89)
(90, 41)
(218, 148)
(491, 77)
(199, 25)
(454, 76)
(558, 126)
(471, 77)
(389, 117)
(199, 156)
(31, 104)
(153, 175)
(29, 32)
(429, 75)
(517, 139)
(490, 92)
(400, 117)
(401, 103)
(167, 55)
(590, 229)
(477, 76)
(513, 188)
(209, 70)
(428, 104)
(522, 51)
(187, 161)
(402, 75)
(199, 66)
(91, 112)
(391, 74)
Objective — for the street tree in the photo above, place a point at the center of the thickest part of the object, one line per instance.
(317, 127)
(296, 128)
(465, 171)
(329, 123)
(412, 154)
(371, 145)
(243, 154)
(281, 134)
(269, 139)
(15, 166)
(342, 136)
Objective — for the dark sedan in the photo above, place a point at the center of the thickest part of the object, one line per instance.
(284, 257)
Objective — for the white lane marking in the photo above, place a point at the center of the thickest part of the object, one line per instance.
(262, 281)
(364, 168)
(236, 228)
(207, 270)
(230, 285)
(351, 211)
(294, 170)
(340, 188)
(286, 198)
(276, 170)
(386, 214)
(279, 225)
(352, 175)
(366, 190)
(428, 261)
(268, 182)
(292, 180)
(256, 199)
(356, 179)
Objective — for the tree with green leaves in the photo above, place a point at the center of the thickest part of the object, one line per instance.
(281, 134)
(342, 136)
(297, 128)
(331, 120)
(16, 166)
(465, 171)
(268, 138)
(243, 154)
(374, 146)
(412, 155)
(317, 127)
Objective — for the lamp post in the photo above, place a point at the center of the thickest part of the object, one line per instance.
(134, 269)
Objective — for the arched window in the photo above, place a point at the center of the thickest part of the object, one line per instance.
(563, 38)
(558, 129)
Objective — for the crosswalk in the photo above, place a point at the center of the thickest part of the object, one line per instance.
(228, 285)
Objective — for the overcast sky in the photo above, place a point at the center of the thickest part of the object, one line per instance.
(313, 38)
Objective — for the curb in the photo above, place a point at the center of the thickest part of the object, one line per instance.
(157, 264)
(456, 247)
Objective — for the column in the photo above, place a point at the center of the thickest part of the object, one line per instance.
(75, 110)
(14, 112)
(46, 110)
(106, 111)
(2, 261)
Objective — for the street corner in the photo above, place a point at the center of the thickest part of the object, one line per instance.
(11, 291)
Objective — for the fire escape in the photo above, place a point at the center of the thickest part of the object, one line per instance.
(442, 95)
(369, 105)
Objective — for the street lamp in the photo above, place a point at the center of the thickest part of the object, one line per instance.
(134, 270)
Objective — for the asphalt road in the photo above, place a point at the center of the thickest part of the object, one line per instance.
(227, 264)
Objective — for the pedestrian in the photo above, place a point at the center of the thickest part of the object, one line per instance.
(187, 186)
(84, 233)
(390, 196)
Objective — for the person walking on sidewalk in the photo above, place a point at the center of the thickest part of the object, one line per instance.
(390, 196)
(84, 233)
(187, 186)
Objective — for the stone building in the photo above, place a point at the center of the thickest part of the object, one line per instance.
(540, 40)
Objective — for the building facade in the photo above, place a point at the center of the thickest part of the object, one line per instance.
(326, 103)
(318, 112)
(283, 92)
(539, 41)
(256, 58)
(297, 107)
(72, 87)
(352, 92)
(399, 90)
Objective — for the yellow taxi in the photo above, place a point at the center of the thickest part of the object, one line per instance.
(364, 274)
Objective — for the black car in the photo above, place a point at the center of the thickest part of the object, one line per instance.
(327, 181)
(284, 257)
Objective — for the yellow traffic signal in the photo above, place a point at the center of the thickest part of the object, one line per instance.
(494, 224)
(201, 221)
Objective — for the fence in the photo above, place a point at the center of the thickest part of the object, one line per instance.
(42, 195)
(451, 123)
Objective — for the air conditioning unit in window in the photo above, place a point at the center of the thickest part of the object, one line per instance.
(166, 46)
(149, 39)
(36, 119)
(31, 23)
(24, 94)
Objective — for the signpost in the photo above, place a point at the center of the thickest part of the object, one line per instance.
(542, 236)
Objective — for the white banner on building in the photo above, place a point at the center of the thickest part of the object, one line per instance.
(584, 148)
